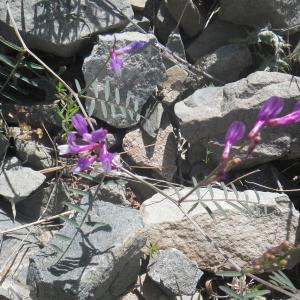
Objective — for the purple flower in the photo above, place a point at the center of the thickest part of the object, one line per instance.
(107, 159)
(234, 133)
(94, 141)
(72, 147)
(131, 47)
(80, 124)
(116, 63)
(84, 163)
(291, 118)
(271, 108)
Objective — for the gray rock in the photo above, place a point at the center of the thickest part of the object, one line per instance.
(142, 71)
(242, 236)
(18, 182)
(3, 145)
(174, 272)
(63, 28)
(280, 14)
(163, 23)
(161, 157)
(35, 152)
(227, 62)
(206, 115)
(192, 21)
(217, 34)
(51, 197)
(101, 262)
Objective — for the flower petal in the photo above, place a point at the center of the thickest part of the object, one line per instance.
(116, 65)
(84, 163)
(107, 158)
(99, 135)
(80, 124)
(271, 108)
(63, 149)
(234, 133)
(74, 148)
(131, 47)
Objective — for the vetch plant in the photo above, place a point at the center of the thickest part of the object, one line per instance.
(267, 117)
(93, 146)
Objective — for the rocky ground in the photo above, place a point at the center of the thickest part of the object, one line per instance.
(200, 66)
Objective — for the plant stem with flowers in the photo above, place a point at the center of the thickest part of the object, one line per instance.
(265, 118)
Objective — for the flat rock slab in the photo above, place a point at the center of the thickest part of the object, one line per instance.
(18, 182)
(206, 115)
(101, 263)
(63, 27)
(142, 71)
(280, 14)
(243, 235)
(174, 272)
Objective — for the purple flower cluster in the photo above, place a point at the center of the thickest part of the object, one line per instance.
(93, 144)
(266, 117)
(116, 63)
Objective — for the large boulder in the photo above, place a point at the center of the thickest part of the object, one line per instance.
(279, 13)
(206, 115)
(102, 261)
(63, 27)
(142, 71)
(245, 227)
